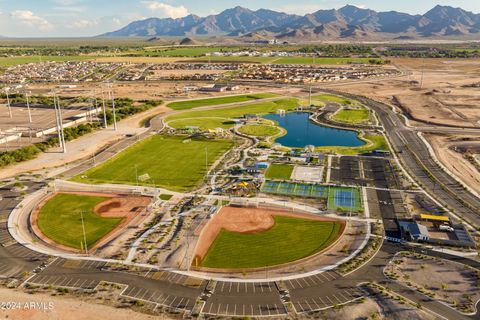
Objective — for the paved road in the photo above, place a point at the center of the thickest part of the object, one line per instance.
(228, 298)
(416, 158)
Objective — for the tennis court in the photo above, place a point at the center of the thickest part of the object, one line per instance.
(303, 190)
(347, 199)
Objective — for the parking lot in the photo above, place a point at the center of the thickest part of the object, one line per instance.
(319, 292)
(244, 299)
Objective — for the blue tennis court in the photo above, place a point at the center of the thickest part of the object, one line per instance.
(303, 190)
(344, 198)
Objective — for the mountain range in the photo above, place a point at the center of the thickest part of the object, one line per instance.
(349, 22)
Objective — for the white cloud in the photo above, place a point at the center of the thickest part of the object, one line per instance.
(27, 18)
(166, 10)
(84, 23)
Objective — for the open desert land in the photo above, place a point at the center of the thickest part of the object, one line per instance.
(450, 151)
(444, 95)
(66, 308)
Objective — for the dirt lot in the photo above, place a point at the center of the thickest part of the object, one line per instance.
(456, 162)
(64, 308)
(243, 220)
(441, 96)
(453, 283)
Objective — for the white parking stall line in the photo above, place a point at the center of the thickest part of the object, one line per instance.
(210, 309)
(340, 301)
(226, 310)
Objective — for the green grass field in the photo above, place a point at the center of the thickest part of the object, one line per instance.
(12, 61)
(327, 61)
(60, 220)
(171, 162)
(376, 142)
(238, 59)
(202, 123)
(239, 111)
(352, 116)
(184, 105)
(333, 98)
(259, 130)
(279, 171)
(288, 240)
(355, 205)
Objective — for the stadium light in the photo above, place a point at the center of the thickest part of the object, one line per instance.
(27, 94)
(8, 102)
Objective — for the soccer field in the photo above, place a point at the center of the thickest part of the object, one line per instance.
(288, 240)
(168, 162)
(60, 220)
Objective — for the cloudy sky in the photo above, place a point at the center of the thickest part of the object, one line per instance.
(60, 18)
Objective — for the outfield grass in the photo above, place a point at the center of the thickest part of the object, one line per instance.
(259, 130)
(279, 171)
(12, 61)
(184, 105)
(239, 111)
(356, 206)
(333, 98)
(60, 220)
(171, 162)
(375, 142)
(328, 61)
(288, 240)
(352, 116)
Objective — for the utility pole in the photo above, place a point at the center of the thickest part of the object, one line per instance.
(28, 107)
(84, 234)
(8, 103)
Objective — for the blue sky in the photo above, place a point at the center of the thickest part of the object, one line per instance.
(56, 18)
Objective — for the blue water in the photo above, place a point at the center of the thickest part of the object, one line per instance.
(302, 132)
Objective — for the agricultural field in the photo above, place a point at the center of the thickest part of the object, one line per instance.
(279, 171)
(12, 61)
(324, 61)
(238, 59)
(168, 162)
(288, 240)
(190, 104)
(352, 116)
(259, 130)
(237, 112)
(60, 220)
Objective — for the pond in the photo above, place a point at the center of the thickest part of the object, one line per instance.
(301, 132)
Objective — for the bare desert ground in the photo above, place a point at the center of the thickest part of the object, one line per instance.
(64, 308)
(435, 91)
(448, 151)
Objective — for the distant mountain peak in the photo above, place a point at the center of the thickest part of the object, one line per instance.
(347, 22)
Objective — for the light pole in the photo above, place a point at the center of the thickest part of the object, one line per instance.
(84, 233)
(104, 110)
(8, 103)
(27, 94)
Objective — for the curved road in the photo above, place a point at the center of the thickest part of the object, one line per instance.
(191, 295)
